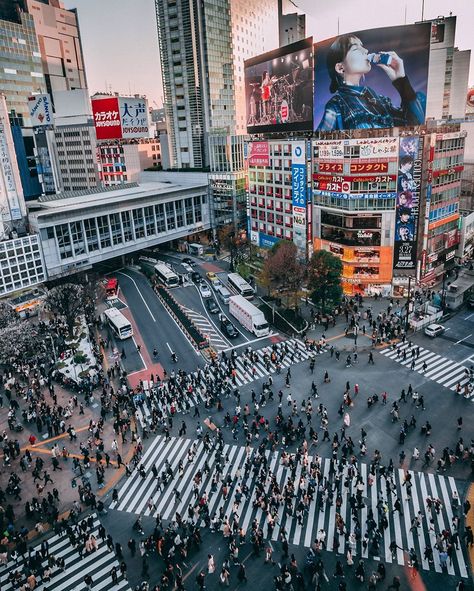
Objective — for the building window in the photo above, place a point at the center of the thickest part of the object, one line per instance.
(139, 223)
(91, 235)
(170, 216)
(179, 213)
(127, 226)
(104, 231)
(150, 221)
(77, 238)
(64, 241)
(116, 228)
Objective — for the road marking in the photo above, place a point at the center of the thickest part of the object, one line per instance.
(461, 340)
(270, 334)
(139, 352)
(470, 316)
(168, 345)
(139, 292)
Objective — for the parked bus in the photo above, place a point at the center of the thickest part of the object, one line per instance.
(120, 326)
(166, 275)
(111, 288)
(240, 285)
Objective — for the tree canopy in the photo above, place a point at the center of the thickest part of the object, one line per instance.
(66, 301)
(324, 279)
(282, 270)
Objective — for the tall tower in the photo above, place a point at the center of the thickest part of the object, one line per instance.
(203, 45)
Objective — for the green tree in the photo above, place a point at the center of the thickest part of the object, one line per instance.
(324, 279)
(66, 301)
(283, 271)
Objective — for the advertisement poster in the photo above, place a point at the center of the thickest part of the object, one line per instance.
(117, 118)
(279, 89)
(258, 154)
(372, 79)
(406, 208)
(41, 110)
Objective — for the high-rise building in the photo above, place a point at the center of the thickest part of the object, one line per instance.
(448, 74)
(291, 26)
(203, 46)
(57, 30)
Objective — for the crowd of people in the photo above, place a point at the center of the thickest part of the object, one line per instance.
(271, 419)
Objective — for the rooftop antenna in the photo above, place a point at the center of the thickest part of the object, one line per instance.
(422, 10)
(405, 14)
(338, 26)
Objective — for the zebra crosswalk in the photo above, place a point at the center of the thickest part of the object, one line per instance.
(245, 373)
(97, 564)
(138, 495)
(218, 342)
(444, 371)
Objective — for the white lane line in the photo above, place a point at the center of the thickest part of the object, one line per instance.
(139, 292)
(461, 340)
(271, 334)
(470, 316)
(139, 352)
(168, 345)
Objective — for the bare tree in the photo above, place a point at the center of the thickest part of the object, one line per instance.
(282, 269)
(67, 302)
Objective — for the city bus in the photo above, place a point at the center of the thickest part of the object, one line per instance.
(111, 288)
(166, 275)
(120, 326)
(239, 285)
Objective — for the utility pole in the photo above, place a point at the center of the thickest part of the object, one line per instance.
(407, 305)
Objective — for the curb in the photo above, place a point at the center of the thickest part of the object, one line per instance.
(469, 520)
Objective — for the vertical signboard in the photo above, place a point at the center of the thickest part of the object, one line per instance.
(10, 186)
(299, 182)
(407, 204)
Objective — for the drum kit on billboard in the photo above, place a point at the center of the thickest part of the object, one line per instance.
(273, 101)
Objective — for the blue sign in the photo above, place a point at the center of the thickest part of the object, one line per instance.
(266, 241)
(246, 150)
(298, 176)
(335, 195)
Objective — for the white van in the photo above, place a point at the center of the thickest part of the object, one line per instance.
(224, 294)
(433, 330)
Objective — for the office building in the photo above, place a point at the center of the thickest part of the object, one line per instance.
(59, 39)
(122, 162)
(202, 47)
(291, 25)
(448, 72)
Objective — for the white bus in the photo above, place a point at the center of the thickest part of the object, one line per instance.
(166, 275)
(240, 285)
(120, 326)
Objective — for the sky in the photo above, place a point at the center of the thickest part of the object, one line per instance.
(121, 46)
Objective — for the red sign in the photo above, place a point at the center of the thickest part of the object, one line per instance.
(445, 171)
(107, 118)
(451, 238)
(369, 167)
(259, 154)
(331, 167)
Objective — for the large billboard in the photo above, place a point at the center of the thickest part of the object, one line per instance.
(407, 204)
(372, 79)
(258, 154)
(118, 117)
(279, 89)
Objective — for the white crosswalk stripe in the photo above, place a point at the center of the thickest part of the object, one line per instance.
(245, 374)
(218, 342)
(444, 371)
(140, 495)
(97, 564)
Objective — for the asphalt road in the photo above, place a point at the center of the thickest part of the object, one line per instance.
(156, 327)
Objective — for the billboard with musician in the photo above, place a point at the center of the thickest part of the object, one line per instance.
(372, 79)
(279, 89)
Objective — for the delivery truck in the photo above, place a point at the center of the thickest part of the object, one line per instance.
(249, 316)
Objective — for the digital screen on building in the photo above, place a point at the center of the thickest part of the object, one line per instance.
(279, 89)
(373, 79)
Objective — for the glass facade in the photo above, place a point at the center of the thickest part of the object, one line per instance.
(21, 264)
(112, 230)
(21, 72)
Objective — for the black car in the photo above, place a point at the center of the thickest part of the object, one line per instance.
(189, 261)
(228, 327)
(196, 277)
(212, 306)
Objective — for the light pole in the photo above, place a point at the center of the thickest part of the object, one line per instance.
(407, 305)
(231, 238)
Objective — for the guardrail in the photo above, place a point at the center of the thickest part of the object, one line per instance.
(198, 340)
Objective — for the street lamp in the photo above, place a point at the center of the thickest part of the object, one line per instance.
(231, 238)
(407, 305)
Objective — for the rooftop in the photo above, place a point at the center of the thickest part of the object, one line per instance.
(95, 198)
